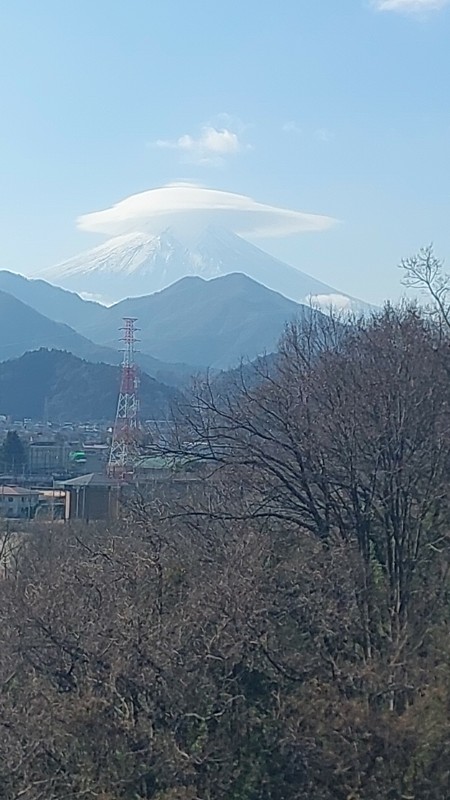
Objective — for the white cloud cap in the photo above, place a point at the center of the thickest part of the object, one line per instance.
(189, 206)
(408, 6)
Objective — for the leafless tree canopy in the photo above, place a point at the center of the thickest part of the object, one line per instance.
(279, 631)
(425, 271)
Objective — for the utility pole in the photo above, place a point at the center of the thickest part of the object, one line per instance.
(123, 451)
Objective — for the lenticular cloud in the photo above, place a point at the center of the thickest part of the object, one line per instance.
(188, 206)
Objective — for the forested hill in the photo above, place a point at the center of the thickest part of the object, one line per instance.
(71, 389)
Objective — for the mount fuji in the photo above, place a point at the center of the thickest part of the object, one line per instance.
(136, 264)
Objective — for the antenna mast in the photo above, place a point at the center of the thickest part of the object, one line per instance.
(125, 434)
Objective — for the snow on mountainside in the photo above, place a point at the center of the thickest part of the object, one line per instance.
(136, 264)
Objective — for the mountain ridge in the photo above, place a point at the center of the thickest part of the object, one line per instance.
(54, 302)
(219, 320)
(190, 325)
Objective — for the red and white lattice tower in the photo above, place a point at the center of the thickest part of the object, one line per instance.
(124, 445)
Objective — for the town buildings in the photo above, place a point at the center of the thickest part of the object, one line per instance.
(18, 503)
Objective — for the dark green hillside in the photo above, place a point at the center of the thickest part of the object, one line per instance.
(72, 389)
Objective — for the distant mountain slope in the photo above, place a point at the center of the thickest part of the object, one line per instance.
(23, 329)
(193, 322)
(72, 389)
(136, 264)
(57, 304)
(214, 323)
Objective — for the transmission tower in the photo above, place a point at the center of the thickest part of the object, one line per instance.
(124, 445)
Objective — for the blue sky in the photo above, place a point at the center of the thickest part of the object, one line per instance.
(334, 107)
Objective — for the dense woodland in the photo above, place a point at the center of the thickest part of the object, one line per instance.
(279, 633)
(58, 385)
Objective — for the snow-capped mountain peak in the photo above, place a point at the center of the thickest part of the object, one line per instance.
(139, 263)
(122, 254)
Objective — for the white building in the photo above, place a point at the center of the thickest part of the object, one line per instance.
(18, 503)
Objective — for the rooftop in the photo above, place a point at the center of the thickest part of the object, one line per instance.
(15, 491)
(92, 479)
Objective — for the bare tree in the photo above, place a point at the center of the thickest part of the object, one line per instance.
(350, 441)
(280, 629)
(424, 271)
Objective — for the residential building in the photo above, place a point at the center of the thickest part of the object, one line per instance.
(17, 502)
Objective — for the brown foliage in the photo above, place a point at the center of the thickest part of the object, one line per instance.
(283, 633)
